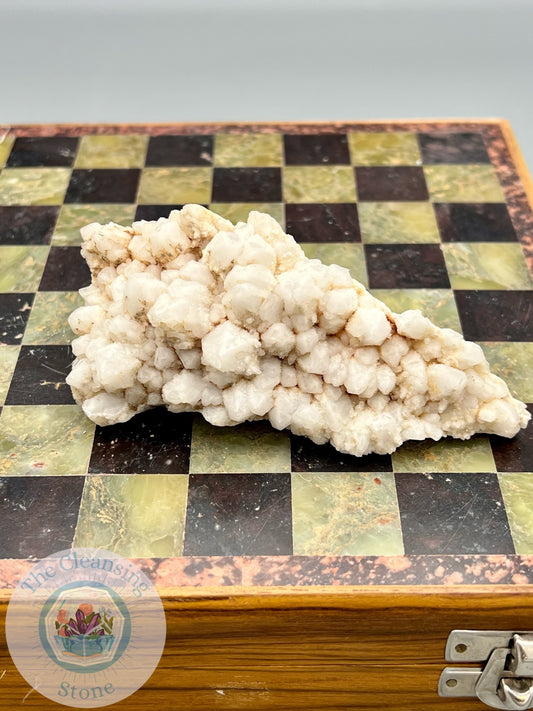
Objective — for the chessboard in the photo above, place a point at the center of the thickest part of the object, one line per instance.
(429, 215)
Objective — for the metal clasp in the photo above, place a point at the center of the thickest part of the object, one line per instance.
(506, 679)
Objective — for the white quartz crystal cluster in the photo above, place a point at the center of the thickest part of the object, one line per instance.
(197, 314)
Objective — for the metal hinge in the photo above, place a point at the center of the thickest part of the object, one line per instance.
(505, 681)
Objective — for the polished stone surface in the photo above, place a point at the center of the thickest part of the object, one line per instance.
(251, 447)
(103, 185)
(383, 148)
(252, 149)
(47, 323)
(403, 222)
(446, 455)
(175, 185)
(463, 183)
(57, 443)
(140, 515)
(318, 183)
(180, 150)
(22, 267)
(345, 513)
(33, 186)
(246, 185)
(323, 222)
(28, 224)
(406, 266)
(112, 152)
(487, 265)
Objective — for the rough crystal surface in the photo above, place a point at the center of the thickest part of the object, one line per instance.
(197, 314)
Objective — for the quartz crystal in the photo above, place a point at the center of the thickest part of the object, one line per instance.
(234, 321)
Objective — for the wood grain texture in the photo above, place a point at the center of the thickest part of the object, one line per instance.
(353, 649)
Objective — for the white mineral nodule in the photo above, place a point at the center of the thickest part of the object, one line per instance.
(197, 314)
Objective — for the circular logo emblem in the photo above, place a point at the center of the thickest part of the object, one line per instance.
(85, 627)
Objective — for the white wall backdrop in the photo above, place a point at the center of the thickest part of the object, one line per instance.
(203, 60)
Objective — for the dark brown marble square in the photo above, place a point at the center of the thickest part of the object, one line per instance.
(474, 222)
(103, 185)
(390, 183)
(406, 266)
(496, 315)
(450, 147)
(239, 514)
(180, 150)
(27, 225)
(38, 514)
(56, 151)
(320, 149)
(154, 212)
(39, 377)
(322, 222)
(14, 313)
(516, 454)
(306, 456)
(153, 442)
(453, 514)
(247, 185)
(65, 270)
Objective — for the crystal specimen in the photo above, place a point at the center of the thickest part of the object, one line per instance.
(197, 314)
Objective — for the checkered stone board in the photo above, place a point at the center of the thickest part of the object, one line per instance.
(427, 215)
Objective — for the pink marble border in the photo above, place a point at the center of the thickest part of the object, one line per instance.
(325, 571)
(305, 127)
(517, 201)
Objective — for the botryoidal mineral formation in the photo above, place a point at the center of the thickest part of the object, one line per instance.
(235, 322)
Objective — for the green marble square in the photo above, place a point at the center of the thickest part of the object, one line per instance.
(48, 319)
(514, 363)
(345, 254)
(437, 304)
(239, 211)
(249, 448)
(487, 265)
(398, 148)
(178, 185)
(6, 144)
(8, 361)
(345, 513)
(53, 440)
(73, 217)
(446, 455)
(112, 152)
(22, 267)
(322, 183)
(33, 186)
(248, 150)
(137, 516)
(463, 183)
(517, 492)
(403, 222)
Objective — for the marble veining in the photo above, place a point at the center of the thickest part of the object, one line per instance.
(133, 515)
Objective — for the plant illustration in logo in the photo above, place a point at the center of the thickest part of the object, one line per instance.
(86, 634)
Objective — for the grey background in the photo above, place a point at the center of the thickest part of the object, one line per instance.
(233, 60)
